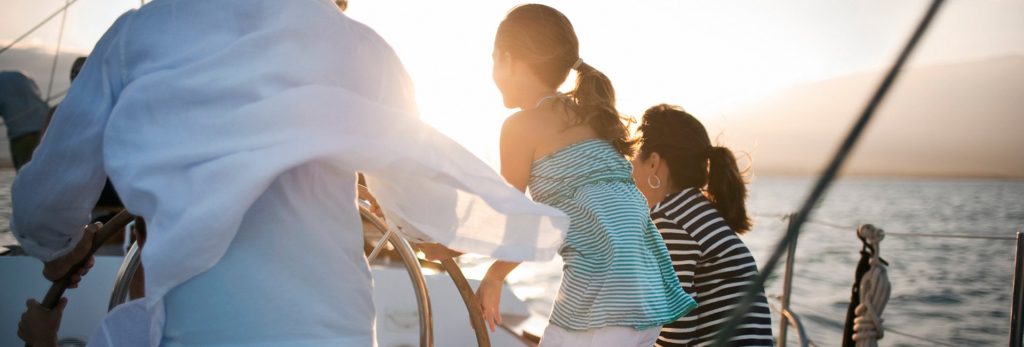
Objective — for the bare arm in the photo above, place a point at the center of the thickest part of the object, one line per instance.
(517, 150)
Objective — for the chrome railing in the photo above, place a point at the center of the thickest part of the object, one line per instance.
(412, 265)
(789, 318)
(125, 274)
(1016, 323)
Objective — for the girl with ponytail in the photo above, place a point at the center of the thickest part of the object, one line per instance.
(697, 197)
(618, 286)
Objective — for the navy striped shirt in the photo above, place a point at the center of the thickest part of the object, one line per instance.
(714, 267)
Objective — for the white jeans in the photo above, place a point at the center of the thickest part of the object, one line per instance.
(555, 336)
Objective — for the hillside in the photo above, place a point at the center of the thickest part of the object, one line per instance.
(951, 120)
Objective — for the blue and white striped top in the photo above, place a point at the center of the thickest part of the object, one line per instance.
(617, 269)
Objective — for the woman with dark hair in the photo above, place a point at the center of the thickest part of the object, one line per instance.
(696, 193)
(618, 287)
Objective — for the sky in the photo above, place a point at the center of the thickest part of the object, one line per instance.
(707, 56)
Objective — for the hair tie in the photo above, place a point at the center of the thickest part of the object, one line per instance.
(576, 65)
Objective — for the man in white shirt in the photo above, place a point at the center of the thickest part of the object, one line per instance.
(235, 127)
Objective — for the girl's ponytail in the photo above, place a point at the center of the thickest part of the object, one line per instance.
(594, 97)
(545, 40)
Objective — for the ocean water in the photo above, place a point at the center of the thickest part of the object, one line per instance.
(6, 178)
(949, 291)
(953, 291)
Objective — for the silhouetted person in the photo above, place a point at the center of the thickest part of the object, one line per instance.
(24, 113)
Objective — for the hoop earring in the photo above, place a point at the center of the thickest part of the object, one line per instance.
(653, 184)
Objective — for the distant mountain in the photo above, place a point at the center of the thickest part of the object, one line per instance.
(963, 119)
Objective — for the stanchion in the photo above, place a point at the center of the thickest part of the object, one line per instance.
(1016, 324)
(787, 286)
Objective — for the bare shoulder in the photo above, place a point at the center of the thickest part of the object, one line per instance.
(545, 130)
(523, 125)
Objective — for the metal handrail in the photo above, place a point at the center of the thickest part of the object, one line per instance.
(787, 286)
(1016, 323)
(476, 317)
(125, 274)
(794, 320)
(412, 265)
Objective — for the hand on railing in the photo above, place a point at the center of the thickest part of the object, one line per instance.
(57, 268)
(488, 296)
(364, 194)
(436, 251)
(38, 326)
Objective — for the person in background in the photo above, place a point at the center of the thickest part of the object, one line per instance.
(697, 197)
(618, 287)
(24, 113)
(76, 67)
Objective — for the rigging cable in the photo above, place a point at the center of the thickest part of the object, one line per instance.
(724, 335)
(30, 31)
(56, 55)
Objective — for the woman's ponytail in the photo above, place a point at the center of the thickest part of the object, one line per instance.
(594, 99)
(727, 189)
(683, 144)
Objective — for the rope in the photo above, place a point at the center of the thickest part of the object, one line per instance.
(941, 236)
(925, 339)
(890, 330)
(834, 225)
(874, 292)
(56, 55)
(30, 31)
(779, 216)
(830, 224)
(57, 96)
(955, 236)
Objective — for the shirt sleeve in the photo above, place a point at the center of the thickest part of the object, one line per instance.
(53, 195)
(682, 248)
(125, 325)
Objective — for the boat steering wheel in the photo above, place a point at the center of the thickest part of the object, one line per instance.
(374, 229)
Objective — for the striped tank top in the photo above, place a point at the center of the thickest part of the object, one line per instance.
(617, 269)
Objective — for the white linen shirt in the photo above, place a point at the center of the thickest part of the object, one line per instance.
(193, 108)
